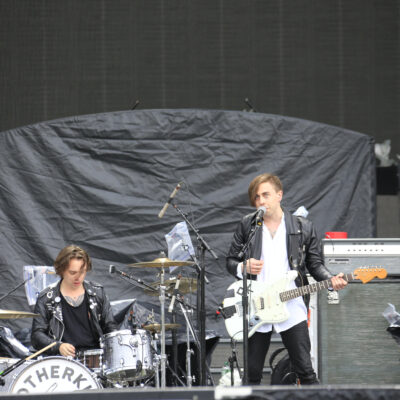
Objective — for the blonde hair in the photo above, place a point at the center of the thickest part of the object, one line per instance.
(258, 180)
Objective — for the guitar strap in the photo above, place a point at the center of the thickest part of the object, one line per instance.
(296, 255)
(295, 246)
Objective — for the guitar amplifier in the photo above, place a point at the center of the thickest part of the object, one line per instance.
(345, 255)
(354, 346)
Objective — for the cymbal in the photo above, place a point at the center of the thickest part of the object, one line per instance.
(11, 314)
(186, 285)
(156, 328)
(162, 262)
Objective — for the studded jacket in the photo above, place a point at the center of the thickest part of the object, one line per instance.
(303, 249)
(49, 326)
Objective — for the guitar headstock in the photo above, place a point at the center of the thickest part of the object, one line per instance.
(366, 274)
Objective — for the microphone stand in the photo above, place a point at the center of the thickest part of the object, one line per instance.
(245, 252)
(13, 290)
(201, 314)
(139, 282)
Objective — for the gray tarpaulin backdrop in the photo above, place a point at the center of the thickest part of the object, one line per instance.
(100, 180)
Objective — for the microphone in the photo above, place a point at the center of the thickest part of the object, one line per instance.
(114, 270)
(173, 194)
(132, 324)
(135, 105)
(260, 213)
(247, 101)
(171, 306)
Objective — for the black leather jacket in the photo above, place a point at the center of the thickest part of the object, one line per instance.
(49, 327)
(303, 248)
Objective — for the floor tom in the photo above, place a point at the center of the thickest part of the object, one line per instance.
(127, 357)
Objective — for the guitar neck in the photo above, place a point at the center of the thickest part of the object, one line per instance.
(312, 288)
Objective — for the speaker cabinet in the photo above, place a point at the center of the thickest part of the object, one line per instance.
(353, 342)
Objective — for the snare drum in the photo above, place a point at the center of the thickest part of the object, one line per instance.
(92, 359)
(127, 356)
(51, 374)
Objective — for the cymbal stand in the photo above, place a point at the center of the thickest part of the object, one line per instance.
(174, 349)
(156, 363)
(162, 312)
(189, 328)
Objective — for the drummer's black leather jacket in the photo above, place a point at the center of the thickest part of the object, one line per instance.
(49, 326)
(303, 248)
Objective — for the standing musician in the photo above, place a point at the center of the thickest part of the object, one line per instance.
(73, 312)
(285, 242)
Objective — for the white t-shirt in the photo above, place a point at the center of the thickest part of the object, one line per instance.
(276, 264)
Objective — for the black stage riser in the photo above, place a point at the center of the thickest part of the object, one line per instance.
(260, 392)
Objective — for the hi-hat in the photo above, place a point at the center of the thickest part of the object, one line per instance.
(11, 314)
(186, 285)
(156, 328)
(161, 263)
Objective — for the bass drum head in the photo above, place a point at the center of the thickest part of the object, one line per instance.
(53, 374)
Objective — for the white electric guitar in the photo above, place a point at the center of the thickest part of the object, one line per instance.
(267, 302)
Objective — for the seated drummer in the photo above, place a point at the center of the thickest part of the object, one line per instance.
(73, 312)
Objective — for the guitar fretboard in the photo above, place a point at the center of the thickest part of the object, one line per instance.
(312, 288)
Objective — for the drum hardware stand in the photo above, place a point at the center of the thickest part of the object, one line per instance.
(175, 375)
(201, 315)
(20, 362)
(156, 363)
(189, 351)
(171, 309)
(186, 309)
(174, 347)
(162, 311)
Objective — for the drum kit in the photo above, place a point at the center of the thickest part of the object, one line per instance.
(128, 357)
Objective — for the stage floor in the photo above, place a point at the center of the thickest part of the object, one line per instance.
(220, 393)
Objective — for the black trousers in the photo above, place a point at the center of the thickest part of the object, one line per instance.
(297, 342)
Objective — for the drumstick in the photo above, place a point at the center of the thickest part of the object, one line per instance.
(41, 351)
(17, 364)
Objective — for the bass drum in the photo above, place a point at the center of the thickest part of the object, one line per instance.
(48, 375)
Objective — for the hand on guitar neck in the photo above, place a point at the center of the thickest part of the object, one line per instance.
(338, 282)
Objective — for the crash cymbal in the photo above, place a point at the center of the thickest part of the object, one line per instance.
(156, 328)
(161, 262)
(186, 285)
(11, 314)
